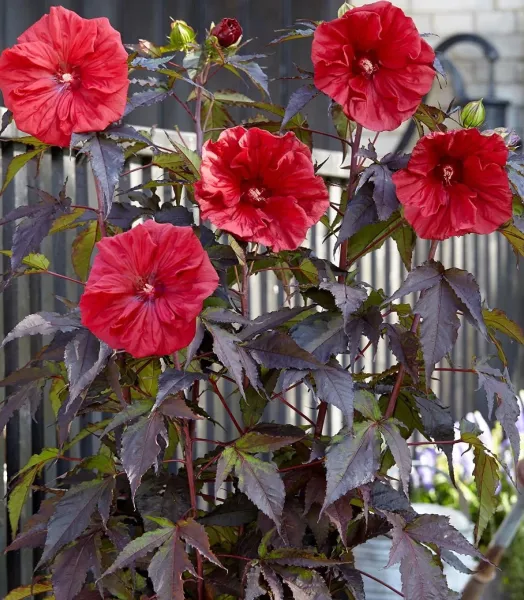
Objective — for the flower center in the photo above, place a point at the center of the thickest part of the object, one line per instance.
(148, 290)
(254, 192)
(68, 77)
(449, 171)
(366, 65)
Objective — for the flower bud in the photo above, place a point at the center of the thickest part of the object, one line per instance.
(182, 36)
(227, 32)
(473, 115)
(344, 9)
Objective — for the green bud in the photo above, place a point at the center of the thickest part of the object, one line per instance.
(182, 36)
(344, 9)
(473, 114)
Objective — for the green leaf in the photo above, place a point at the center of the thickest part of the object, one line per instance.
(344, 127)
(25, 479)
(252, 407)
(28, 591)
(497, 320)
(405, 239)
(18, 163)
(268, 437)
(67, 221)
(36, 263)
(371, 237)
(293, 34)
(514, 237)
(192, 160)
(83, 247)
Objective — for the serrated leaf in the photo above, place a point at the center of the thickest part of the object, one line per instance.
(366, 322)
(298, 100)
(130, 413)
(253, 589)
(167, 568)
(71, 568)
(353, 580)
(404, 345)
(371, 237)
(29, 394)
(44, 323)
(335, 386)
(307, 585)
(405, 238)
(36, 262)
(271, 320)
(400, 450)
(348, 299)
(73, 514)
(277, 350)
(107, 161)
(251, 69)
(28, 591)
(293, 34)
(497, 320)
(227, 461)
(148, 98)
(140, 447)
(82, 249)
(322, 334)
(384, 190)
(340, 513)
(252, 407)
(85, 356)
(262, 484)
(269, 437)
(361, 211)
(18, 162)
(20, 489)
(351, 460)
(466, 288)
(500, 390)
(343, 126)
(173, 381)
(226, 348)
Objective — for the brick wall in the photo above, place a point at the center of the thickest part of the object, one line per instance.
(501, 22)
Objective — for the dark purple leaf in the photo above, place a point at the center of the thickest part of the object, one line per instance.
(106, 500)
(71, 567)
(360, 211)
(396, 161)
(140, 447)
(384, 497)
(123, 214)
(253, 588)
(422, 576)
(127, 132)
(351, 460)
(367, 323)
(335, 386)
(340, 514)
(226, 348)
(195, 535)
(516, 172)
(163, 495)
(260, 481)
(467, 289)
(85, 356)
(176, 215)
(277, 350)
(384, 190)
(193, 347)
(455, 562)
(44, 323)
(26, 375)
(152, 64)
(7, 117)
(29, 234)
(29, 395)
(252, 70)
(222, 315)
(107, 161)
(399, 448)
(175, 407)
(353, 580)
(420, 279)
(148, 98)
(73, 514)
(269, 437)
(438, 333)
(321, 334)
(167, 568)
(500, 391)
(66, 414)
(297, 101)
(275, 585)
(312, 587)
(130, 413)
(172, 381)
(235, 511)
(404, 345)
(23, 211)
(348, 299)
(271, 320)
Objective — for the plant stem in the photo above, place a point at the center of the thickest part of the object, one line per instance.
(382, 582)
(101, 208)
(188, 454)
(298, 411)
(226, 407)
(343, 262)
(402, 371)
(303, 466)
(450, 370)
(61, 276)
(440, 443)
(383, 237)
(244, 297)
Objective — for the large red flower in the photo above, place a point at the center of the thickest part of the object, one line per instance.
(65, 75)
(146, 289)
(261, 187)
(455, 183)
(373, 62)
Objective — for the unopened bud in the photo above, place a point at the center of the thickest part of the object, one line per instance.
(473, 115)
(227, 32)
(182, 36)
(344, 9)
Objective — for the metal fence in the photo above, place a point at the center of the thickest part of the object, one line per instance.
(489, 258)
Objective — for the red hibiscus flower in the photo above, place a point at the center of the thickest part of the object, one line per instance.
(65, 75)
(455, 183)
(261, 187)
(146, 289)
(228, 32)
(373, 62)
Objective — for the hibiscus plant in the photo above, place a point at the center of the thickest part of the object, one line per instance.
(164, 314)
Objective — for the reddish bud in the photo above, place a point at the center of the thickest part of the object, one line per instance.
(228, 32)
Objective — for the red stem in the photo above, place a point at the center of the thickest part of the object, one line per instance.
(244, 297)
(226, 407)
(382, 582)
(101, 208)
(343, 262)
(62, 277)
(402, 371)
(440, 443)
(303, 466)
(450, 370)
